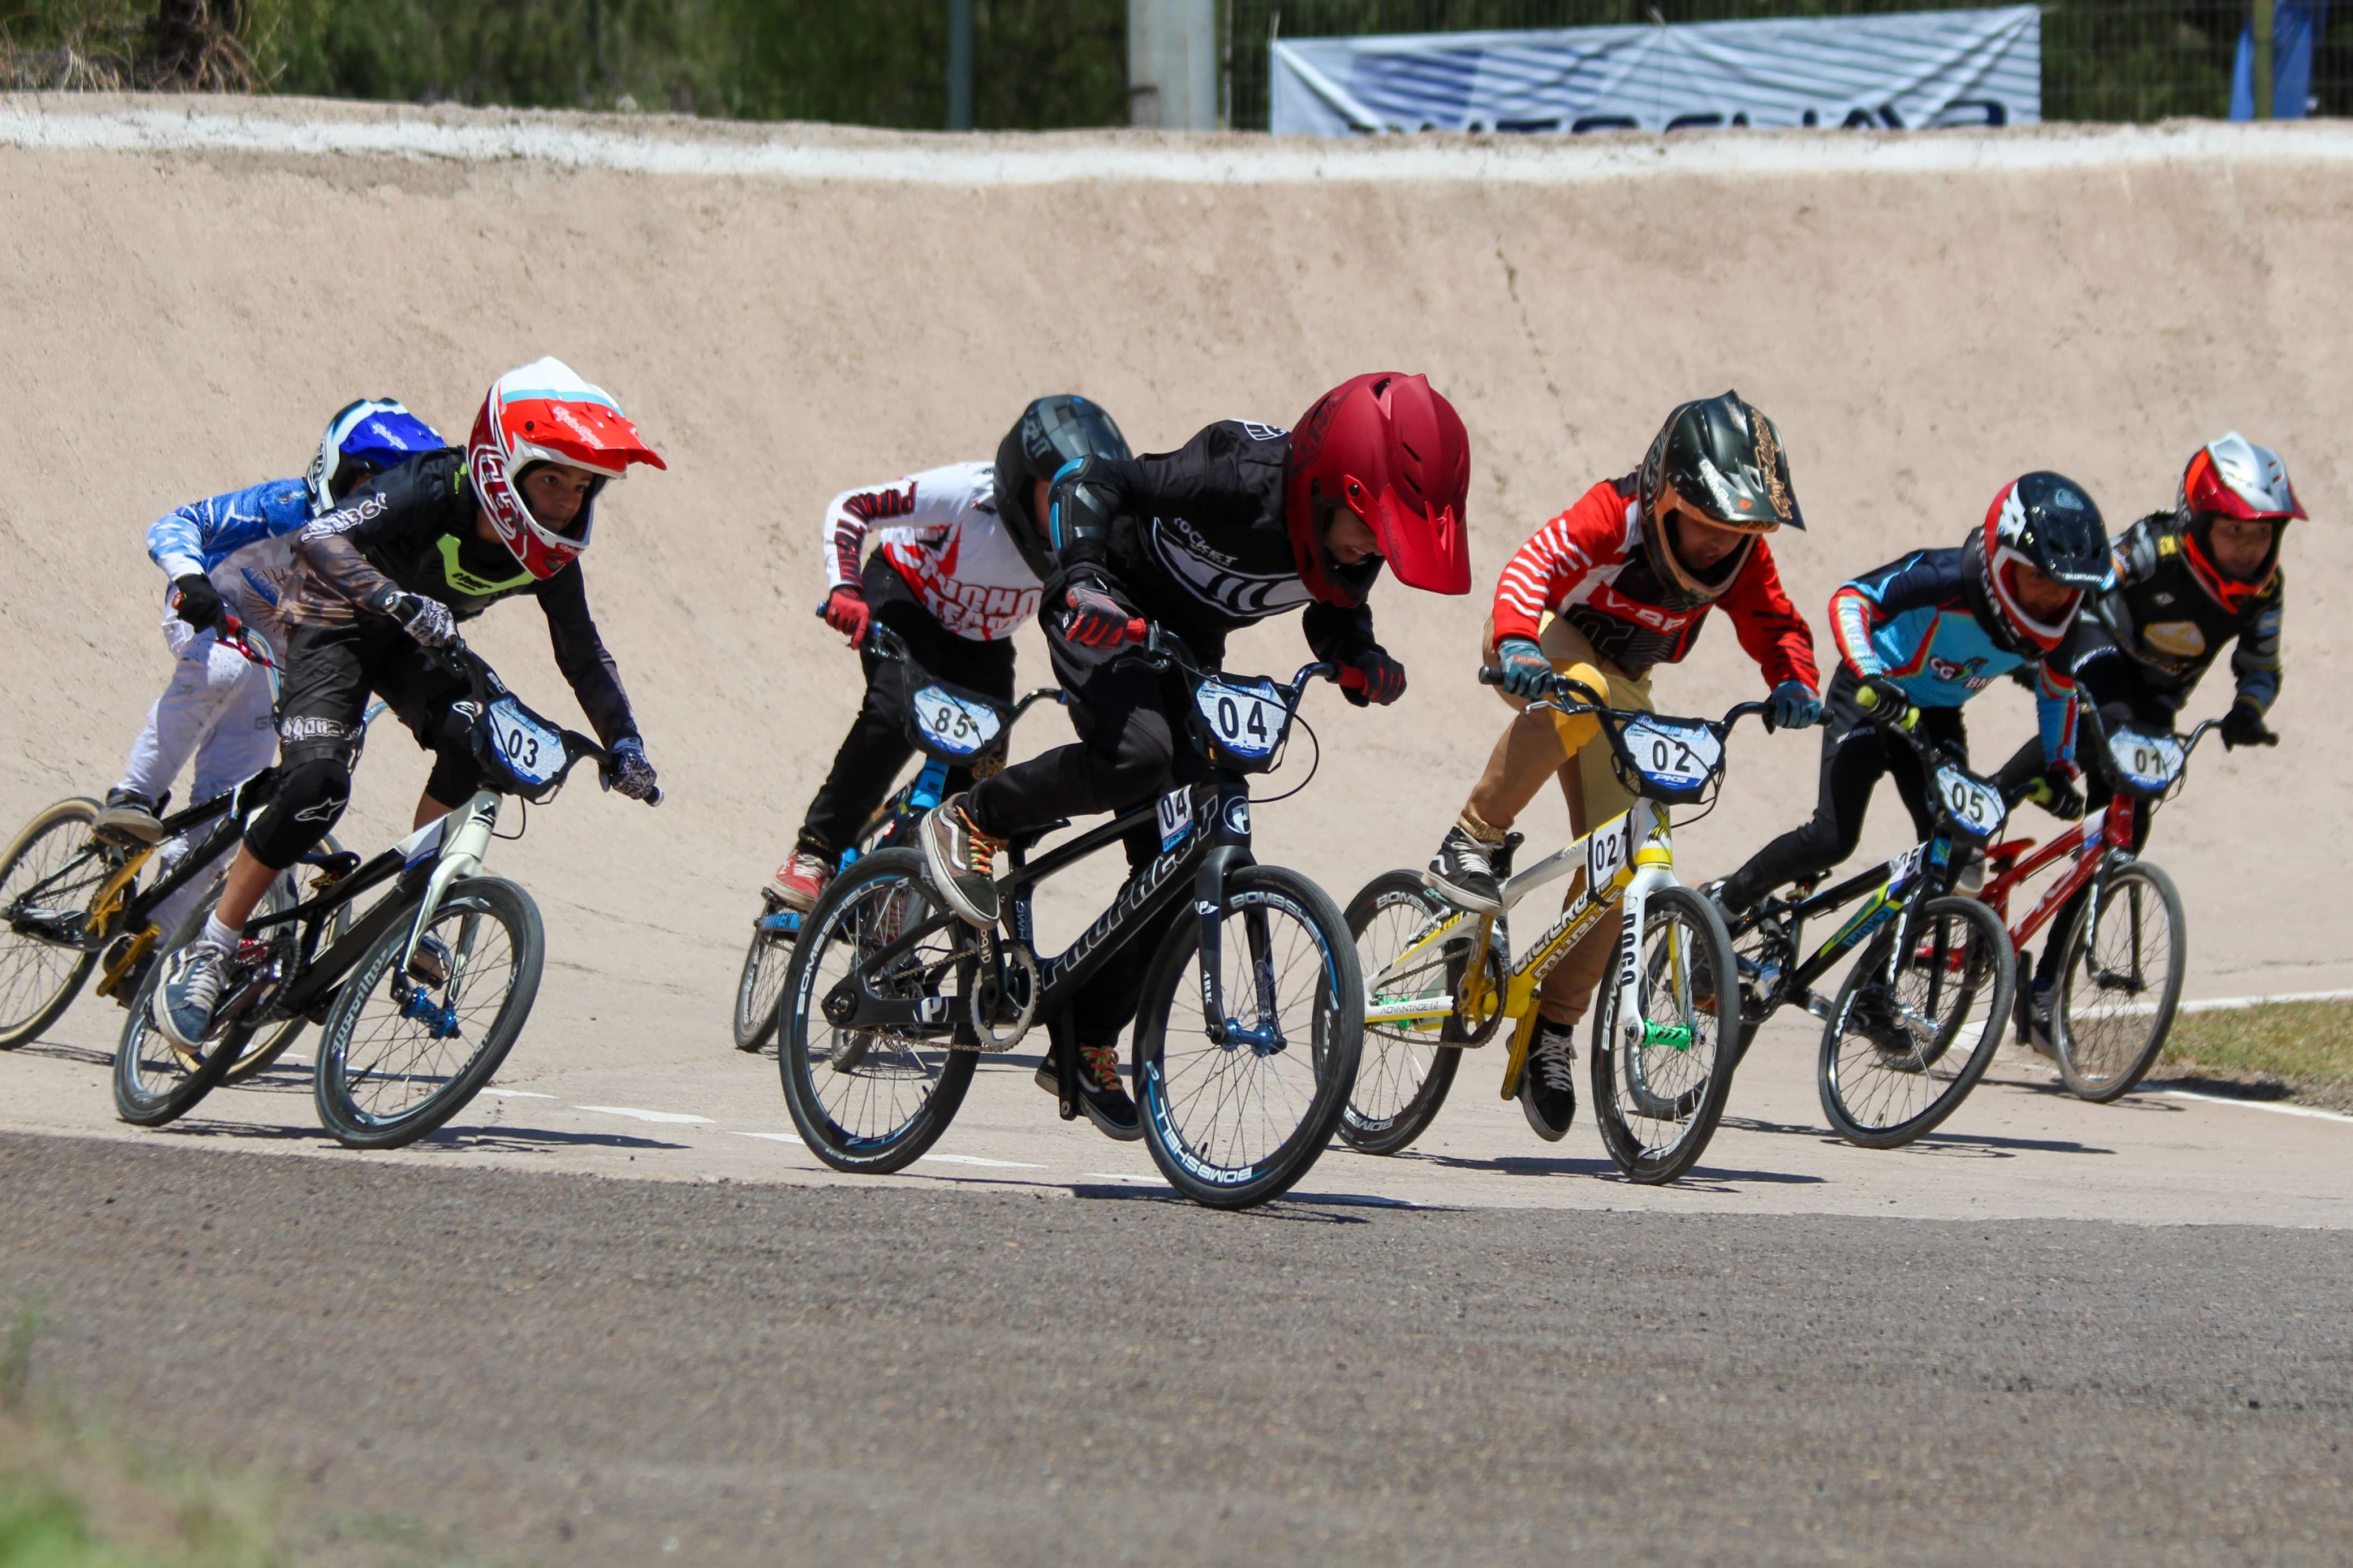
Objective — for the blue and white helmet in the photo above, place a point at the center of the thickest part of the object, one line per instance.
(376, 434)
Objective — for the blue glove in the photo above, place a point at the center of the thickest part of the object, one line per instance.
(628, 772)
(1527, 671)
(1793, 706)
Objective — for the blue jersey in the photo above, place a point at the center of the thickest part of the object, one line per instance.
(1912, 622)
(202, 535)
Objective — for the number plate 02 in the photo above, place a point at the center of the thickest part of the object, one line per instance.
(1245, 719)
(1674, 753)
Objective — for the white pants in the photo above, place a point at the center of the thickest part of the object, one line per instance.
(219, 709)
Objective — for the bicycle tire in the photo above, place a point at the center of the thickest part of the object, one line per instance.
(2108, 1065)
(1333, 1021)
(1415, 1073)
(1847, 1079)
(880, 896)
(180, 1083)
(31, 1002)
(1621, 1073)
(336, 1084)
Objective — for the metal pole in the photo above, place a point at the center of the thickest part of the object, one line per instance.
(959, 65)
(2262, 59)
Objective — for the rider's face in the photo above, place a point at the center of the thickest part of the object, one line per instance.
(2045, 599)
(1040, 491)
(1701, 543)
(1348, 538)
(555, 493)
(2239, 545)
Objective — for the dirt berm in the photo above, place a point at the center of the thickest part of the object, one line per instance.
(191, 286)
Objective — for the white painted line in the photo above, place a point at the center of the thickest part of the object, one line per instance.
(771, 1137)
(1122, 1177)
(669, 1117)
(2218, 1002)
(2254, 1104)
(56, 123)
(517, 1094)
(977, 1160)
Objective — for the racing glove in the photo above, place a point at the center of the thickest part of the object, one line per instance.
(846, 611)
(2243, 726)
(1527, 671)
(427, 620)
(1884, 703)
(2055, 789)
(628, 773)
(195, 601)
(1793, 706)
(1379, 678)
(1095, 619)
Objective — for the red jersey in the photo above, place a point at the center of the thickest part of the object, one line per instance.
(1587, 566)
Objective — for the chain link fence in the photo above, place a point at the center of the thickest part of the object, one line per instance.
(2101, 60)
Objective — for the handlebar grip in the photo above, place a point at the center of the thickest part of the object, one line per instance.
(1490, 676)
(1139, 629)
(1350, 680)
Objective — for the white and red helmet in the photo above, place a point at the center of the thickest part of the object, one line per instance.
(543, 412)
(2232, 477)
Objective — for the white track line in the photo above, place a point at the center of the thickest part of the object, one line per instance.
(977, 1160)
(517, 1094)
(2218, 1002)
(2254, 1104)
(666, 1117)
(772, 1137)
(58, 123)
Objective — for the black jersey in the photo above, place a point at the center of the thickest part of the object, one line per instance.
(2173, 629)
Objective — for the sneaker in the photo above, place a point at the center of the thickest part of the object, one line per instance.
(128, 818)
(430, 962)
(960, 862)
(2038, 1020)
(799, 880)
(183, 1004)
(1464, 870)
(1100, 1094)
(1548, 1084)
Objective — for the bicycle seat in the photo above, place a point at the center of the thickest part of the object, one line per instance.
(1999, 855)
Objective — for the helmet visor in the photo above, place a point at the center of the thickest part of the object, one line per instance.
(1432, 553)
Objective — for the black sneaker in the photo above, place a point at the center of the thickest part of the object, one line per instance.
(1100, 1094)
(1464, 870)
(960, 862)
(2038, 1018)
(1549, 1083)
(128, 818)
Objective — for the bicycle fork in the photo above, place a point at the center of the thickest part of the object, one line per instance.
(462, 847)
(1229, 851)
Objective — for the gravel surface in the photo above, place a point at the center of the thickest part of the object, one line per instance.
(558, 1369)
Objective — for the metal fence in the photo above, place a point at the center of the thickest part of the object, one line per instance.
(2101, 60)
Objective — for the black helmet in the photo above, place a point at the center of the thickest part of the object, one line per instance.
(2045, 520)
(1720, 459)
(1051, 434)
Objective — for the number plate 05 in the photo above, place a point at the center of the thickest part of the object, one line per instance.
(1247, 721)
(1975, 806)
(533, 752)
(953, 723)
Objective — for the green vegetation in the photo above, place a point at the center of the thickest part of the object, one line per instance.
(2304, 1047)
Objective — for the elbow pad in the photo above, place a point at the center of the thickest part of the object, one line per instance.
(1087, 499)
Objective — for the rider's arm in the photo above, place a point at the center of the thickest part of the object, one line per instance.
(848, 517)
(581, 655)
(1864, 605)
(184, 541)
(2255, 661)
(2056, 704)
(331, 546)
(1339, 635)
(1769, 626)
(1543, 572)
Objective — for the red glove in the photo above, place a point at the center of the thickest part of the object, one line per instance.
(1372, 677)
(846, 611)
(1095, 619)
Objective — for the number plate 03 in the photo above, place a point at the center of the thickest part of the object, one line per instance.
(1246, 720)
(533, 752)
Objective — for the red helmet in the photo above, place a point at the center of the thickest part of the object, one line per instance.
(1395, 453)
(2232, 477)
(545, 413)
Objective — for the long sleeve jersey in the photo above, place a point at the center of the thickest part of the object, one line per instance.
(941, 533)
(2173, 629)
(1912, 622)
(1587, 566)
(242, 541)
(1200, 543)
(413, 527)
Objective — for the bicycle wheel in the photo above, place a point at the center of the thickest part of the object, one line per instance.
(1232, 1124)
(157, 1079)
(1659, 1081)
(1405, 1069)
(260, 1052)
(2116, 1002)
(761, 982)
(1899, 1056)
(400, 1055)
(40, 978)
(867, 1100)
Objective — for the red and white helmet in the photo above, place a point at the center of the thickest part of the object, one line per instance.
(2232, 477)
(543, 412)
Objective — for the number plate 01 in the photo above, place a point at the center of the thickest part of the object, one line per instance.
(1245, 719)
(2148, 762)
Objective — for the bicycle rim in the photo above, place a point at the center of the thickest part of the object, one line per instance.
(40, 979)
(1898, 1057)
(1659, 1097)
(1405, 1070)
(155, 1079)
(2121, 984)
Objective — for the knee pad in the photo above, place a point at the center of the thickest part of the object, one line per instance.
(312, 791)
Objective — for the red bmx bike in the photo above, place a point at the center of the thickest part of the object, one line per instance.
(2113, 998)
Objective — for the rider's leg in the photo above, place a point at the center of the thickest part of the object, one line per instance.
(1595, 795)
(204, 678)
(241, 741)
(1855, 756)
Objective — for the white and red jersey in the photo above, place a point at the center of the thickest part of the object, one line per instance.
(1587, 566)
(941, 532)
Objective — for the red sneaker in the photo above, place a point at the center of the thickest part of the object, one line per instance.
(799, 880)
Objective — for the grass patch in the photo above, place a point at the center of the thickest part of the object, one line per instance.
(2305, 1048)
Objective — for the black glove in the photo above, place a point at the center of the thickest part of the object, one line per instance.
(1378, 678)
(1886, 702)
(195, 601)
(2055, 791)
(1095, 619)
(628, 773)
(427, 620)
(2243, 726)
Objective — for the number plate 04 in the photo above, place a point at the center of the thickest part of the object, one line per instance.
(1247, 721)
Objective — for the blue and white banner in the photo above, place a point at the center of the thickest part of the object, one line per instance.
(1904, 71)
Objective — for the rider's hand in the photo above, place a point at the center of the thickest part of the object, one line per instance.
(427, 620)
(195, 601)
(846, 611)
(1527, 671)
(2243, 726)
(627, 772)
(1095, 619)
(1793, 706)
(1382, 679)
(2055, 789)
(1888, 704)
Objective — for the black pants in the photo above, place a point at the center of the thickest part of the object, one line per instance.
(877, 746)
(1130, 748)
(1856, 754)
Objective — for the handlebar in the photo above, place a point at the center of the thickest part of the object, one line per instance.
(488, 687)
(1588, 700)
(230, 633)
(1164, 649)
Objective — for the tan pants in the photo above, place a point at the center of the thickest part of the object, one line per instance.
(1528, 753)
